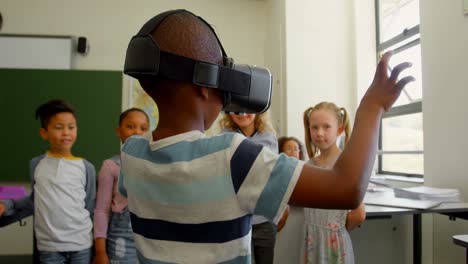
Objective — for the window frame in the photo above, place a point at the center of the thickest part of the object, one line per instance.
(401, 110)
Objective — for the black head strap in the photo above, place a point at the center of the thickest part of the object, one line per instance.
(175, 67)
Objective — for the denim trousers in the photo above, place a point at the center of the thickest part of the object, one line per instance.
(120, 244)
(73, 257)
(263, 243)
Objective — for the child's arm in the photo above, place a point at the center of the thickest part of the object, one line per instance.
(102, 211)
(25, 204)
(2, 209)
(121, 187)
(355, 217)
(282, 221)
(90, 188)
(101, 254)
(344, 186)
(12, 207)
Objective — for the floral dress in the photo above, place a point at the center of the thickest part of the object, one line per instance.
(326, 239)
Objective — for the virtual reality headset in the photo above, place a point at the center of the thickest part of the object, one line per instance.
(245, 88)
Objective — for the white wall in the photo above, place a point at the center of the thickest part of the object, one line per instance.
(109, 24)
(444, 48)
(319, 65)
(365, 37)
(319, 57)
(275, 56)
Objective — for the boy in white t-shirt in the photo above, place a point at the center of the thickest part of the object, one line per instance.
(63, 191)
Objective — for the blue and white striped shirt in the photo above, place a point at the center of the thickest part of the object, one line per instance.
(191, 197)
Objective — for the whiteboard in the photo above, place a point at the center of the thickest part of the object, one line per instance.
(35, 52)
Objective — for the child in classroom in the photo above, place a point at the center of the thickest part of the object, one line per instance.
(112, 230)
(191, 196)
(63, 192)
(292, 147)
(326, 231)
(258, 129)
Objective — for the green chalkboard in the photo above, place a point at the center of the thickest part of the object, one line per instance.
(95, 95)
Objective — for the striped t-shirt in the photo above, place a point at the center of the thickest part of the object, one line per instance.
(191, 197)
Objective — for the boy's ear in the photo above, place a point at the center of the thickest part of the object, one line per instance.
(204, 92)
(117, 131)
(43, 133)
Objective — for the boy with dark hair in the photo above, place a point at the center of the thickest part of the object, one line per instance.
(191, 197)
(63, 191)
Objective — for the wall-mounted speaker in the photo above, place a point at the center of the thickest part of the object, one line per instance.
(83, 46)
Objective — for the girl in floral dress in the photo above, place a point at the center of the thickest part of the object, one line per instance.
(327, 240)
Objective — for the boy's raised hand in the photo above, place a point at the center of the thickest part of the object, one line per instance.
(344, 186)
(385, 90)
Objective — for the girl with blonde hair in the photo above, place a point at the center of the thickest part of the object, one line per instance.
(327, 240)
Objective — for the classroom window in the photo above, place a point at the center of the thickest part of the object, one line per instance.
(401, 148)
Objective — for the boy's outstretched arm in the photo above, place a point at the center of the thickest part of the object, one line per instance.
(344, 185)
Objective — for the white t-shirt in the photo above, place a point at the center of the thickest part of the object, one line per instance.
(61, 221)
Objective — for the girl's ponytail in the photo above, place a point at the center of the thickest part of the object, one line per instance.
(311, 149)
(346, 124)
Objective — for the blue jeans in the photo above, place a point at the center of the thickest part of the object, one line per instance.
(73, 257)
(120, 244)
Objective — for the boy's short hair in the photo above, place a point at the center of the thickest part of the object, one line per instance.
(184, 34)
(47, 110)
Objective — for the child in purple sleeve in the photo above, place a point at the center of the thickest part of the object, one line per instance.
(112, 230)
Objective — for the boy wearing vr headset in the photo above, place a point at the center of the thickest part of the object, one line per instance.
(191, 197)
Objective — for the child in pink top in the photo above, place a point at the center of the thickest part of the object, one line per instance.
(112, 230)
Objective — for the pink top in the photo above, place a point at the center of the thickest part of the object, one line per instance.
(107, 197)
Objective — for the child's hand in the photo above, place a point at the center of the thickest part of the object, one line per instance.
(101, 259)
(2, 209)
(385, 90)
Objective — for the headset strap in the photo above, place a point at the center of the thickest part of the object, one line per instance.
(175, 67)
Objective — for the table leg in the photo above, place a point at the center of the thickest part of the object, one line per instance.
(417, 239)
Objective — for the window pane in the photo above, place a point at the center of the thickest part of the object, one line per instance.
(403, 133)
(413, 91)
(395, 16)
(403, 163)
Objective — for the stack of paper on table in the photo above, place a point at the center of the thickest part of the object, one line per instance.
(428, 194)
(390, 200)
